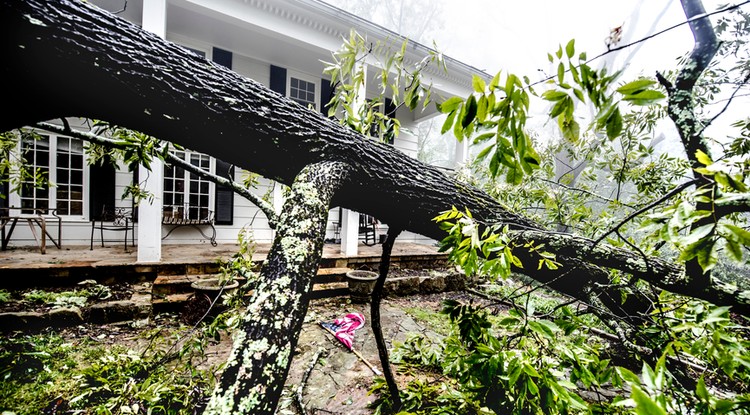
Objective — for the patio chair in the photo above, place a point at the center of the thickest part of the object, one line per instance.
(367, 227)
(118, 220)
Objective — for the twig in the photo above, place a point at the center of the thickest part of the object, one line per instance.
(373, 368)
(630, 217)
(301, 388)
(688, 21)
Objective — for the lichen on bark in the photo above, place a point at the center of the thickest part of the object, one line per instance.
(259, 362)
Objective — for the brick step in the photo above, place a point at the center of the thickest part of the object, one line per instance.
(329, 290)
(165, 285)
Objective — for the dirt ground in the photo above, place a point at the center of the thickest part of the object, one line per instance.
(339, 380)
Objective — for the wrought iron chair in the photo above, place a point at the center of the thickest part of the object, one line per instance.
(117, 219)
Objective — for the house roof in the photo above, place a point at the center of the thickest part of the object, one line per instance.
(291, 33)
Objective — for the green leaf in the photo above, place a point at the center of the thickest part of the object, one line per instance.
(570, 49)
(635, 86)
(482, 138)
(644, 97)
(645, 405)
(614, 124)
(708, 256)
(495, 81)
(560, 72)
(703, 158)
(478, 83)
(554, 95)
(740, 235)
(470, 111)
(734, 249)
(482, 109)
(450, 104)
(701, 391)
(448, 122)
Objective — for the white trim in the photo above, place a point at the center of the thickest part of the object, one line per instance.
(14, 198)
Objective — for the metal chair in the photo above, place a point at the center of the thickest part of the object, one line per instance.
(117, 219)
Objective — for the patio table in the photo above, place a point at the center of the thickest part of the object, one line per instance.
(39, 217)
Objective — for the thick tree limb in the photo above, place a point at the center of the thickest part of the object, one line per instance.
(681, 110)
(153, 86)
(259, 362)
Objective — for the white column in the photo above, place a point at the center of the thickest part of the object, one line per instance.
(278, 202)
(149, 214)
(350, 219)
(349, 232)
(155, 17)
(461, 154)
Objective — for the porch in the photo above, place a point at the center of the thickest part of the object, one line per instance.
(25, 266)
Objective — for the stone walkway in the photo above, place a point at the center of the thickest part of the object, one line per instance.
(340, 381)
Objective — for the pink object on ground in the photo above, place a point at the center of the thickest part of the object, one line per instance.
(343, 328)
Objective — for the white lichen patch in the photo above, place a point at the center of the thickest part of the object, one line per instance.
(34, 20)
(254, 350)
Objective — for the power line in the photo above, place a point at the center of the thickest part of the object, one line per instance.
(651, 36)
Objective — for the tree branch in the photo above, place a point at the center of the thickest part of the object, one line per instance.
(377, 295)
(263, 205)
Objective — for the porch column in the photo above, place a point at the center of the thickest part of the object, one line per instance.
(277, 197)
(349, 232)
(350, 219)
(149, 214)
(461, 154)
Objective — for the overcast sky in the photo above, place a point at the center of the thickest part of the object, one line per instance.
(516, 35)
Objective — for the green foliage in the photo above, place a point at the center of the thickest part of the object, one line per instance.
(42, 372)
(484, 250)
(78, 297)
(500, 364)
(14, 167)
(495, 114)
(397, 80)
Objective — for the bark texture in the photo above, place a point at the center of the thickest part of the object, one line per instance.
(262, 352)
(73, 59)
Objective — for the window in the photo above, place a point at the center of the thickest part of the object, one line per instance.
(183, 190)
(61, 159)
(302, 92)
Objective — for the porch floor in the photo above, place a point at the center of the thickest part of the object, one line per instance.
(22, 266)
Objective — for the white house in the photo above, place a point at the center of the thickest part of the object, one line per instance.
(280, 43)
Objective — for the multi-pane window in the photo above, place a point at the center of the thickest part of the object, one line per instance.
(187, 195)
(69, 176)
(36, 153)
(61, 160)
(302, 91)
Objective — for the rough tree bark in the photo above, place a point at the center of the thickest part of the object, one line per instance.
(252, 380)
(71, 59)
(106, 68)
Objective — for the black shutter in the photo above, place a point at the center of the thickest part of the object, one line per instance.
(278, 79)
(102, 185)
(223, 196)
(4, 194)
(389, 109)
(326, 93)
(222, 57)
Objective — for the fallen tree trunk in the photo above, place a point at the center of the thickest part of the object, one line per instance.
(106, 68)
(252, 380)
